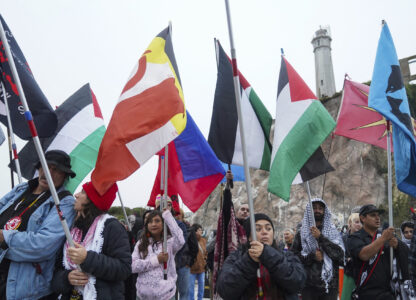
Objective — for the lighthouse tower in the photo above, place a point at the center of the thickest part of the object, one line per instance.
(324, 72)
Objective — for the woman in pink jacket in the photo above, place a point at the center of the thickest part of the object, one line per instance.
(148, 258)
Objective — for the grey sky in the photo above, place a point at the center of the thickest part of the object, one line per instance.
(71, 42)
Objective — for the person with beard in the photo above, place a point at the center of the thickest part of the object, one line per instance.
(321, 251)
(282, 274)
(101, 259)
(31, 232)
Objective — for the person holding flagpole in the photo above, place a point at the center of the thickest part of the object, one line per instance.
(282, 273)
(320, 247)
(31, 233)
(102, 251)
(148, 257)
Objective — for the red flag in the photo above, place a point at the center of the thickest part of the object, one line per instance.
(193, 169)
(356, 120)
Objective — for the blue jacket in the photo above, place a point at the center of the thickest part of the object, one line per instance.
(43, 237)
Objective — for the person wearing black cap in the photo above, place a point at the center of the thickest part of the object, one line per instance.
(282, 273)
(370, 252)
(31, 232)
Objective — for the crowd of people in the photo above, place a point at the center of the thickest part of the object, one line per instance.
(164, 257)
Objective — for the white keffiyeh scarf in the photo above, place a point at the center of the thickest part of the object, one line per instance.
(310, 244)
(95, 244)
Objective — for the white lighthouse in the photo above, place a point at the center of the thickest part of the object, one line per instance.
(324, 72)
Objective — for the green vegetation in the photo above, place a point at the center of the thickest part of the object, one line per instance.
(117, 212)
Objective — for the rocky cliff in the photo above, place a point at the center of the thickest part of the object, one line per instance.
(360, 177)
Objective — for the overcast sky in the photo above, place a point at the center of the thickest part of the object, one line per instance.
(68, 43)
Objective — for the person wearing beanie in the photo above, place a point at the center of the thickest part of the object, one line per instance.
(148, 258)
(31, 232)
(101, 260)
(282, 273)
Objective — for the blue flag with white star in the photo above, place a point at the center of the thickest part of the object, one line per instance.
(388, 97)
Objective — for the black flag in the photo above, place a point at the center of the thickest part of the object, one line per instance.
(43, 114)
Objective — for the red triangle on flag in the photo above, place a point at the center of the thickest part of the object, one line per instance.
(299, 90)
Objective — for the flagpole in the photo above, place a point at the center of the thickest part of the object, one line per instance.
(389, 186)
(10, 155)
(162, 172)
(11, 134)
(308, 189)
(35, 137)
(242, 135)
(124, 211)
(165, 205)
(165, 198)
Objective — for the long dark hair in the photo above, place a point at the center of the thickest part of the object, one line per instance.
(144, 239)
(91, 212)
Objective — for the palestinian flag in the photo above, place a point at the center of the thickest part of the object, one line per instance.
(301, 125)
(149, 115)
(224, 134)
(79, 133)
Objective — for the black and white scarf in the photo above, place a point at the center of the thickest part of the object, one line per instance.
(310, 244)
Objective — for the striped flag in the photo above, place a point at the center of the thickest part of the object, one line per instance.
(150, 114)
(224, 134)
(79, 133)
(302, 124)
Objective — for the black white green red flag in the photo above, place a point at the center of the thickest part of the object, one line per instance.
(80, 132)
(224, 134)
(302, 124)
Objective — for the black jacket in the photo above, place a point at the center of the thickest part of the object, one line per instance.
(314, 268)
(111, 267)
(237, 279)
(187, 254)
(348, 266)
